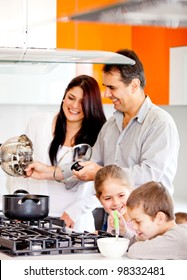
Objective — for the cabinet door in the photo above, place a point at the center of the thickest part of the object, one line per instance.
(25, 24)
(178, 74)
(12, 23)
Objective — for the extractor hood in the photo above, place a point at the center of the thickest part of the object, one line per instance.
(169, 13)
(56, 56)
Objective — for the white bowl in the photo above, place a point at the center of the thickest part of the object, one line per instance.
(112, 247)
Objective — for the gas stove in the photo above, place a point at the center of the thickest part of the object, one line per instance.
(46, 237)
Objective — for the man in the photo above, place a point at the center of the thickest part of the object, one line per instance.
(140, 137)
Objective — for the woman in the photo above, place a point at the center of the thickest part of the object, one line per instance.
(79, 120)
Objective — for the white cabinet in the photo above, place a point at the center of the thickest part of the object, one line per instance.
(12, 23)
(41, 23)
(178, 76)
(29, 23)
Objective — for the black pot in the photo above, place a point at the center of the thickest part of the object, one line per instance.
(21, 206)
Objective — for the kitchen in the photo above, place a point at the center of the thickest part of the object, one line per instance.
(18, 104)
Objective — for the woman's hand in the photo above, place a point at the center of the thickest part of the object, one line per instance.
(39, 170)
(88, 172)
(68, 221)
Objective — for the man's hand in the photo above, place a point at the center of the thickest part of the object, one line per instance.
(88, 172)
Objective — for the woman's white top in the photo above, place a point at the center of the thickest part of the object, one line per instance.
(77, 202)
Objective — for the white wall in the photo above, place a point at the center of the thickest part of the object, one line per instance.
(34, 84)
(179, 113)
(14, 117)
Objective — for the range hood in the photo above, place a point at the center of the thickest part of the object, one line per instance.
(169, 13)
(37, 56)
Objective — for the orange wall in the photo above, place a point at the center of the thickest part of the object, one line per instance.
(151, 44)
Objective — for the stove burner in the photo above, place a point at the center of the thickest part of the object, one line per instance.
(47, 236)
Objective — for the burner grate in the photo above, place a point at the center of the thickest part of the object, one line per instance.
(46, 236)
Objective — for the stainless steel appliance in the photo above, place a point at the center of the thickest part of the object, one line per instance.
(48, 236)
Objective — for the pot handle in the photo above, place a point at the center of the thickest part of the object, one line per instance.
(30, 197)
(20, 191)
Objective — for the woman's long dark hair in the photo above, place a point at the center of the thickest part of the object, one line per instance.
(94, 116)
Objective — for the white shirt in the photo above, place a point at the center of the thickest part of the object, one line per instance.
(147, 147)
(77, 202)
